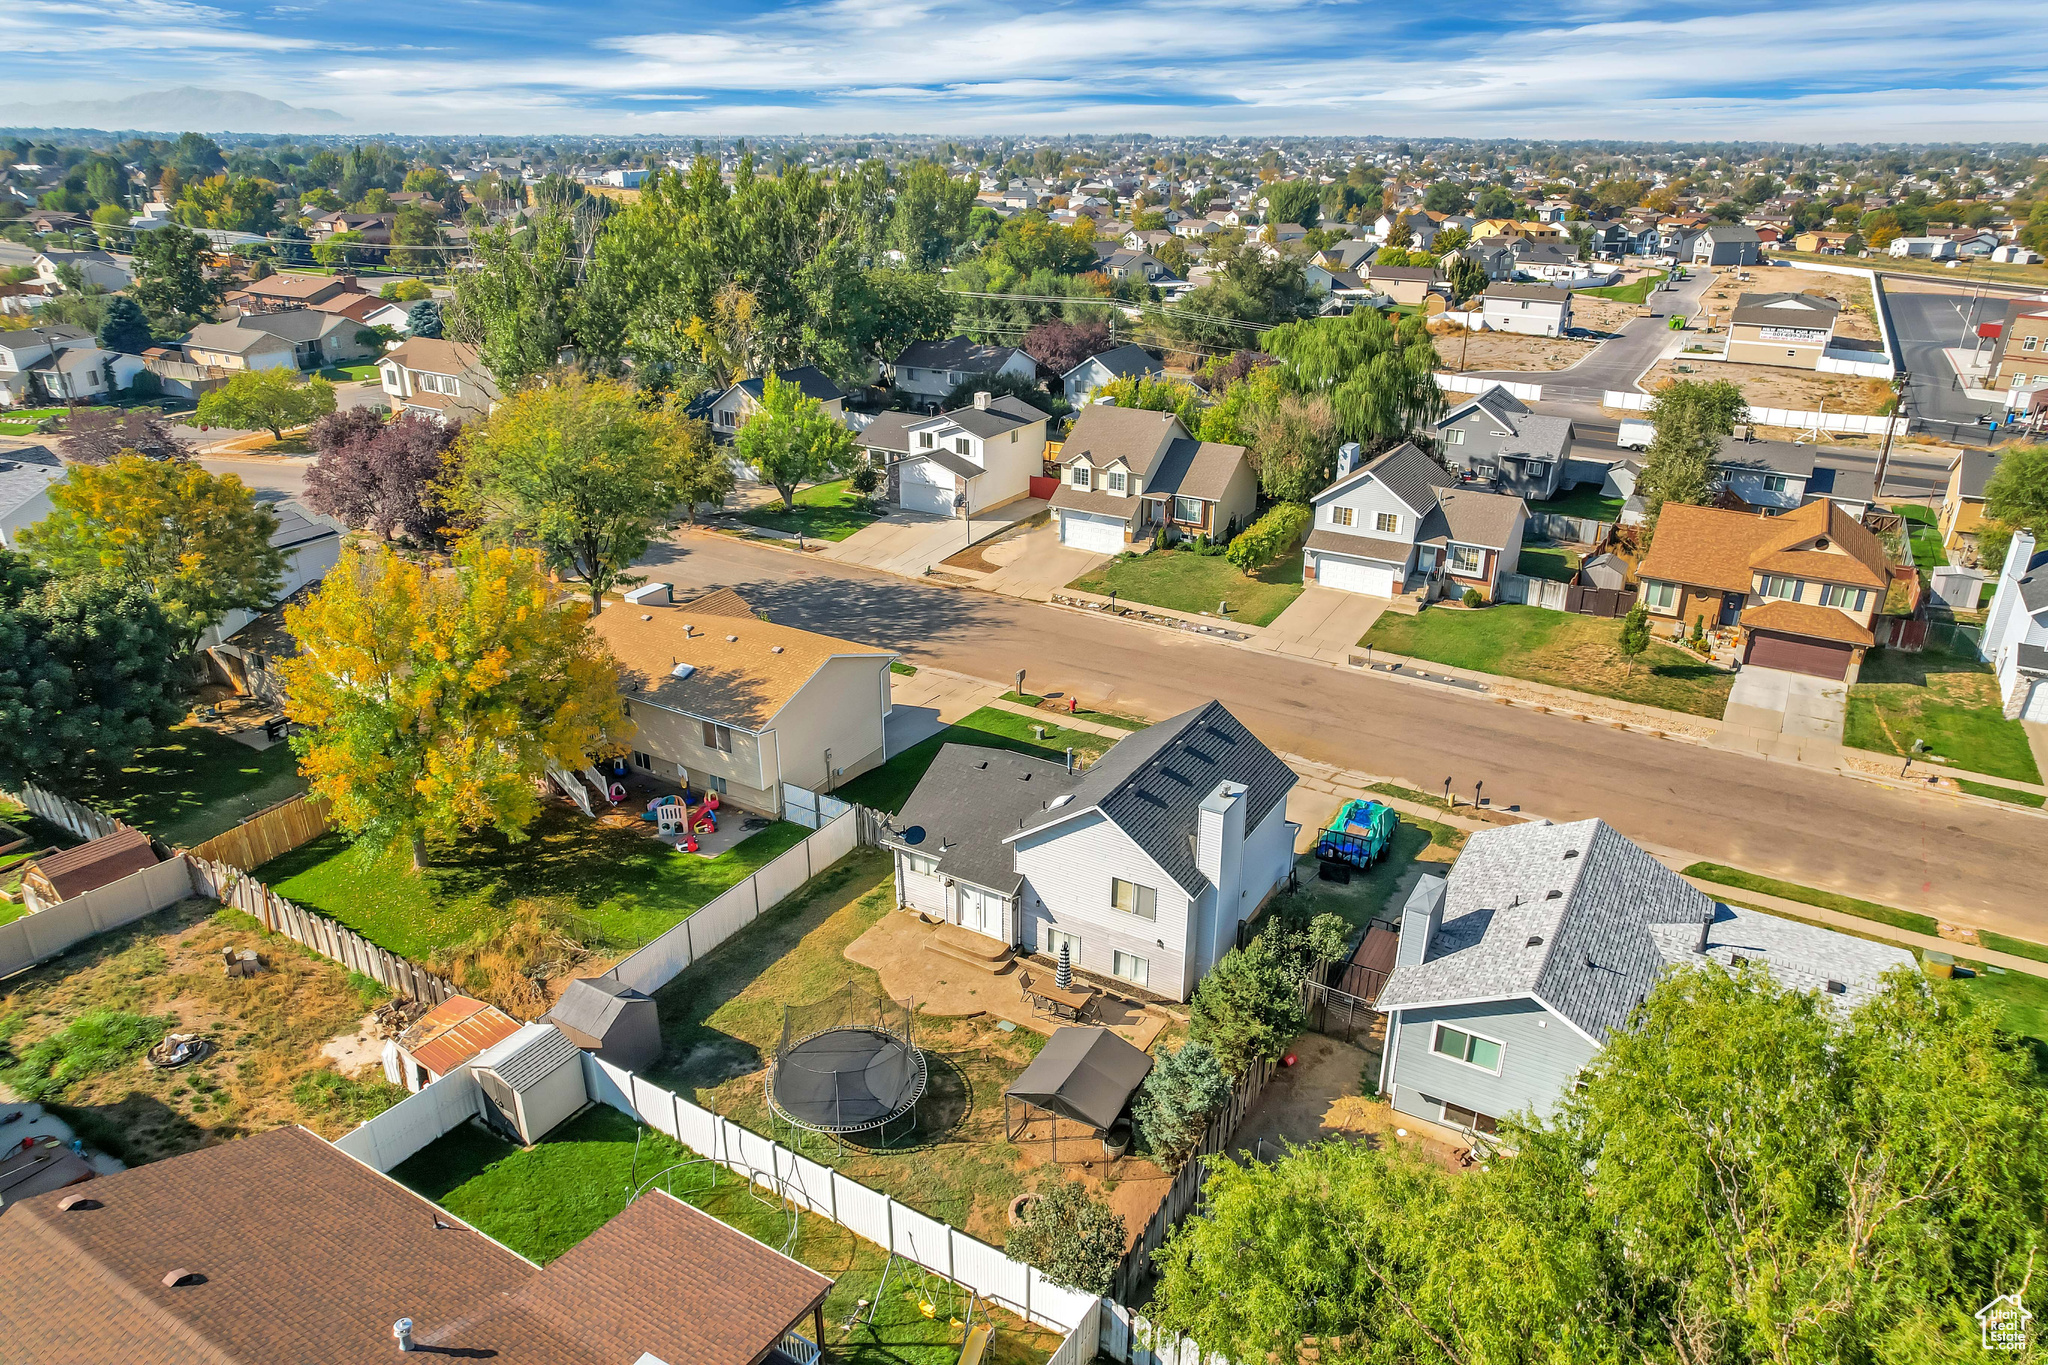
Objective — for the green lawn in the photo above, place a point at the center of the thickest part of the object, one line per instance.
(348, 374)
(1556, 648)
(1110, 718)
(1558, 565)
(1949, 702)
(615, 886)
(824, 511)
(887, 788)
(1806, 895)
(1627, 293)
(194, 785)
(1181, 580)
(24, 421)
(1925, 534)
(1583, 500)
(41, 834)
(902, 670)
(1985, 789)
(543, 1200)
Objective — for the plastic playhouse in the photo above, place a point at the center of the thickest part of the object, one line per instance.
(683, 818)
(1358, 837)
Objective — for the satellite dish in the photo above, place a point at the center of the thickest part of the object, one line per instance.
(914, 835)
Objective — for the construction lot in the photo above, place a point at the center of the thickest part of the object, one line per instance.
(1768, 386)
(1858, 318)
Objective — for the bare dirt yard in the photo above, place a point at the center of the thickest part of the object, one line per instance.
(1508, 350)
(1601, 315)
(1858, 320)
(1326, 1095)
(1767, 386)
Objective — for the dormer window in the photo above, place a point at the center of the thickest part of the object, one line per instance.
(1082, 476)
(1114, 481)
(926, 441)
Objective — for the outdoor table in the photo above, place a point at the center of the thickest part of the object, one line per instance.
(1061, 1004)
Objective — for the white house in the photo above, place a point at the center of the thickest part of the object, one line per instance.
(730, 410)
(97, 267)
(58, 363)
(1927, 248)
(1142, 866)
(1535, 309)
(26, 478)
(970, 460)
(1402, 516)
(929, 370)
(1120, 362)
(311, 544)
(2016, 632)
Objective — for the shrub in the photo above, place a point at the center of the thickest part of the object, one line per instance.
(1270, 537)
(1070, 1236)
(1174, 1104)
(1472, 598)
(1248, 1008)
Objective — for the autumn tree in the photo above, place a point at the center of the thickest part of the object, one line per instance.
(436, 702)
(383, 477)
(198, 543)
(1060, 345)
(580, 469)
(267, 399)
(97, 435)
(792, 440)
(698, 466)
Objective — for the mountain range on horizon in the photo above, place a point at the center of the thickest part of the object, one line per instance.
(176, 110)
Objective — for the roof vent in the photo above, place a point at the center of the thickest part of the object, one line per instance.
(80, 1202)
(1535, 941)
(181, 1277)
(1590, 963)
(646, 616)
(775, 649)
(1820, 543)
(1838, 988)
(682, 670)
(1571, 853)
(982, 765)
(732, 639)
(1553, 894)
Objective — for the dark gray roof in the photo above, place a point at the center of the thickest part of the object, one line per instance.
(1196, 469)
(1733, 232)
(1785, 310)
(1526, 432)
(1842, 485)
(2034, 584)
(591, 1005)
(1471, 516)
(1153, 783)
(1977, 467)
(297, 324)
(1772, 457)
(1376, 271)
(2032, 658)
(1002, 414)
(957, 353)
(889, 431)
(969, 800)
(1541, 293)
(26, 339)
(1547, 253)
(946, 459)
(1393, 552)
(1095, 501)
(1408, 473)
(298, 524)
(528, 1055)
(25, 473)
(1124, 361)
(1085, 1074)
(809, 378)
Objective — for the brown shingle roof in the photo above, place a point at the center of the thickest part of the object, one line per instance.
(1712, 548)
(1802, 618)
(90, 866)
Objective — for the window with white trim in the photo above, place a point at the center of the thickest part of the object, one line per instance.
(1386, 523)
(1340, 516)
(1780, 587)
(1050, 939)
(1114, 481)
(1134, 899)
(1188, 510)
(927, 441)
(1081, 476)
(923, 864)
(961, 445)
(1467, 559)
(1660, 596)
(1469, 1049)
(2029, 343)
(1455, 436)
(1458, 1116)
(1132, 968)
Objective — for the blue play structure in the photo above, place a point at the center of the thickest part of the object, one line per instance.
(1358, 837)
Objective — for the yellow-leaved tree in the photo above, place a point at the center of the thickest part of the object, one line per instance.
(436, 700)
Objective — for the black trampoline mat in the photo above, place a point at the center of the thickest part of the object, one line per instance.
(846, 1079)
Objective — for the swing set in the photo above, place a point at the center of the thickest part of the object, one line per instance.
(932, 1291)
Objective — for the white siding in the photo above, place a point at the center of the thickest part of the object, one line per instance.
(1366, 500)
(1541, 1056)
(921, 890)
(1070, 868)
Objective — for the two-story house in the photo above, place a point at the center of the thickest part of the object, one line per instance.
(1126, 474)
(1805, 587)
(1728, 244)
(1119, 362)
(1793, 330)
(1512, 972)
(967, 461)
(1499, 439)
(294, 291)
(930, 370)
(2016, 631)
(1534, 309)
(58, 363)
(729, 409)
(446, 380)
(726, 701)
(2022, 354)
(1141, 866)
(1401, 517)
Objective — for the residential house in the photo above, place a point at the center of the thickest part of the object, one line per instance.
(1513, 971)
(1728, 244)
(970, 460)
(1195, 229)
(1962, 503)
(1124, 265)
(446, 380)
(1535, 309)
(299, 338)
(2016, 631)
(1499, 439)
(1126, 474)
(1546, 261)
(1402, 517)
(1405, 284)
(930, 370)
(294, 291)
(27, 474)
(58, 363)
(1749, 475)
(1827, 243)
(311, 545)
(1805, 587)
(1495, 255)
(1141, 866)
(1792, 330)
(373, 228)
(98, 269)
(367, 310)
(726, 701)
(1923, 248)
(1121, 362)
(2022, 354)
(2013, 253)
(1146, 239)
(1343, 290)
(1607, 238)
(280, 1246)
(732, 408)
(1350, 254)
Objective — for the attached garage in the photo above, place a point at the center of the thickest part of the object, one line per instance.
(919, 489)
(1101, 535)
(1798, 654)
(1355, 575)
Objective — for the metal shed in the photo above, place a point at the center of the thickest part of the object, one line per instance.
(531, 1082)
(606, 1017)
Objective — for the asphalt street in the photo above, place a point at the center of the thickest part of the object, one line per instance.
(1920, 850)
(1928, 324)
(1619, 361)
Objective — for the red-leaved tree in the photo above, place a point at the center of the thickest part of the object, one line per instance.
(1060, 345)
(381, 476)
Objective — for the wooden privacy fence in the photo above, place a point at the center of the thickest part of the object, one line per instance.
(283, 827)
(232, 886)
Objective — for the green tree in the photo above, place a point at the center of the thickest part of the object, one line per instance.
(434, 183)
(579, 468)
(515, 306)
(124, 327)
(1294, 447)
(1691, 418)
(1379, 373)
(436, 702)
(792, 440)
(86, 674)
(1072, 1237)
(929, 221)
(415, 229)
(1467, 278)
(1248, 1008)
(268, 399)
(341, 249)
(2015, 496)
(1445, 197)
(198, 543)
(698, 465)
(1294, 201)
(1635, 636)
(1183, 1089)
(171, 280)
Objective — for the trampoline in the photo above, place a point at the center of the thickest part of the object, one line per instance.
(846, 1066)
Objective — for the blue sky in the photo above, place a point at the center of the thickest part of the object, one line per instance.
(1797, 69)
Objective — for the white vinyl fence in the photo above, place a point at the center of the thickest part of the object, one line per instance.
(62, 810)
(41, 936)
(812, 810)
(415, 1122)
(1465, 383)
(659, 962)
(1847, 422)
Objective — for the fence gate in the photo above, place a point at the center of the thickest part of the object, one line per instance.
(812, 810)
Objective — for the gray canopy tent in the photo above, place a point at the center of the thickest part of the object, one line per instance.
(1084, 1074)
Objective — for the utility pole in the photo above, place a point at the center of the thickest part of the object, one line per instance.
(1884, 457)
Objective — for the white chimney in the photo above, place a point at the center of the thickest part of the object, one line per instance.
(981, 398)
(1107, 400)
(650, 592)
(1421, 916)
(1219, 854)
(1347, 458)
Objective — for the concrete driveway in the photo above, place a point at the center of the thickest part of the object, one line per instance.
(1326, 618)
(1776, 712)
(1031, 563)
(910, 542)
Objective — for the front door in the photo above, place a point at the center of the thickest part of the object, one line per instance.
(1731, 608)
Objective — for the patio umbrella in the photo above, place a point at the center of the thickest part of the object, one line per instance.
(1064, 977)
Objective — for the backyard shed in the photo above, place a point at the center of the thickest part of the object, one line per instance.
(88, 867)
(450, 1035)
(1084, 1074)
(609, 1018)
(532, 1082)
(1603, 571)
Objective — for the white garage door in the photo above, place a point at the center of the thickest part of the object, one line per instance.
(921, 495)
(1103, 536)
(1351, 575)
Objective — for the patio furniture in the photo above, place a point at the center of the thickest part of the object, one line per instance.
(1049, 999)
